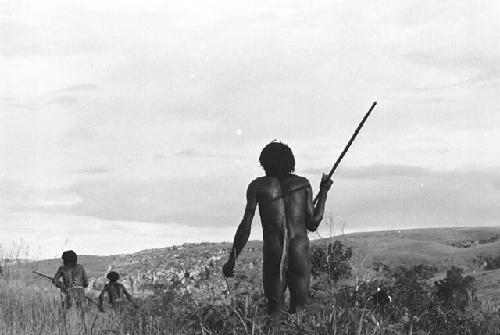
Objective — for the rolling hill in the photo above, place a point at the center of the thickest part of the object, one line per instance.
(463, 247)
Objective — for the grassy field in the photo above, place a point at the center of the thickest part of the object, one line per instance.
(212, 305)
(38, 310)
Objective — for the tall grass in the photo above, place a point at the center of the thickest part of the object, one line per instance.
(36, 309)
(214, 306)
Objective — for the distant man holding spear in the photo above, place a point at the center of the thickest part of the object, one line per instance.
(287, 211)
(72, 278)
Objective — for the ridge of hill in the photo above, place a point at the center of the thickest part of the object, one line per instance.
(440, 247)
(468, 248)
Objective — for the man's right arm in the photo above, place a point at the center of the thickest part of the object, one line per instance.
(243, 231)
(101, 297)
(56, 278)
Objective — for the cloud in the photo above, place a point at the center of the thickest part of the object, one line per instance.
(377, 197)
(15, 34)
(64, 97)
(79, 88)
(81, 133)
(286, 71)
(193, 153)
(63, 100)
(381, 172)
(54, 29)
(93, 170)
(158, 156)
(69, 95)
(195, 201)
(476, 68)
(55, 233)
(454, 60)
(386, 197)
(19, 103)
(16, 196)
(374, 171)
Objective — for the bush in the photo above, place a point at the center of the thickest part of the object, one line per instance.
(455, 291)
(491, 262)
(410, 294)
(331, 261)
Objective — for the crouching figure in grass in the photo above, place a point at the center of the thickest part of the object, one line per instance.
(287, 212)
(116, 292)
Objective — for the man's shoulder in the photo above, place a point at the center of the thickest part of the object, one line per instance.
(299, 180)
(291, 178)
(119, 287)
(259, 181)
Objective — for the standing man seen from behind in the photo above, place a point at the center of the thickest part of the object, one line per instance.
(287, 212)
(74, 279)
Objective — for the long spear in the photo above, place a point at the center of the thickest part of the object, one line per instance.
(348, 146)
(58, 285)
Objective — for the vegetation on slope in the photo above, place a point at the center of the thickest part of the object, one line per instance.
(348, 288)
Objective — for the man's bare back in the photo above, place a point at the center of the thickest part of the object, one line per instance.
(287, 212)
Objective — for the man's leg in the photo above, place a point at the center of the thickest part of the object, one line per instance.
(80, 297)
(299, 276)
(68, 299)
(274, 288)
(299, 290)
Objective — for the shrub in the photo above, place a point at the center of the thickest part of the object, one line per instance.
(331, 261)
(455, 291)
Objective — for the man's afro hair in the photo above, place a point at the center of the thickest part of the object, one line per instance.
(113, 276)
(277, 159)
(69, 257)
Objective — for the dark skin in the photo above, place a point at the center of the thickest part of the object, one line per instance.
(115, 291)
(287, 212)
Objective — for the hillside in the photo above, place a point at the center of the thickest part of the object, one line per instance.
(442, 248)
(174, 286)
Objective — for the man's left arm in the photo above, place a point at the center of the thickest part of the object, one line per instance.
(128, 295)
(243, 231)
(315, 213)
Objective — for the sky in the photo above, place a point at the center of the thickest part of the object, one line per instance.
(127, 125)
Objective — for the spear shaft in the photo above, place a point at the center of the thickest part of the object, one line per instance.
(60, 287)
(42, 275)
(360, 125)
